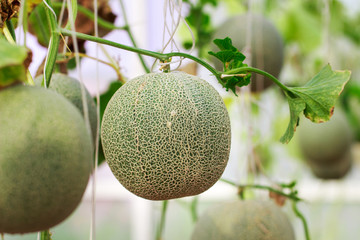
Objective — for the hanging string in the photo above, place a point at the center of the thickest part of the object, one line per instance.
(174, 8)
(97, 138)
(20, 22)
(245, 107)
(326, 29)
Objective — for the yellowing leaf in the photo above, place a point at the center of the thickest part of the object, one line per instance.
(321, 93)
(316, 99)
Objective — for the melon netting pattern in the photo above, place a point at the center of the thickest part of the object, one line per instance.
(166, 135)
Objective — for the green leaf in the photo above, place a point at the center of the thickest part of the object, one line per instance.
(12, 63)
(39, 25)
(296, 106)
(321, 93)
(224, 55)
(231, 59)
(225, 44)
(11, 54)
(212, 2)
(316, 99)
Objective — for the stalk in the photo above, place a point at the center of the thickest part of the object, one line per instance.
(102, 22)
(193, 208)
(53, 43)
(290, 196)
(256, 70)
(166, 57)
(45, 235)
(11, 29)
(162, 220)
(302, 218)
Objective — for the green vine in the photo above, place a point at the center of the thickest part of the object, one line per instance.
(161, 227)
(45, 235)
(53, 43)
(165, 57)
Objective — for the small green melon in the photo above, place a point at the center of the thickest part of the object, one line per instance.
(71, 89)
(45, 159)
(166, 135)
(327, 146)
(244, 220)
(267, 47)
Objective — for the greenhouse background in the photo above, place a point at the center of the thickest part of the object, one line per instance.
(331, 206)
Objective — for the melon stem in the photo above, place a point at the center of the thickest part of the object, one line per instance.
(302, 218)
(162, 220)
(166, 56)
(45, 235)
(259, 71)
(291, 196)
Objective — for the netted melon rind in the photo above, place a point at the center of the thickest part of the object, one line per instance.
(250, 220)
(166, 135)
(70, 88)
(45, 159)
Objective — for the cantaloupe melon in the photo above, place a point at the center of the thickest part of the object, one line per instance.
(166, 135)
(45, 159)
(267, 48)
(71, 89)
(327, 146)
(244, 220)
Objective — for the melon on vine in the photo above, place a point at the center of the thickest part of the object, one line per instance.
(45, 159)
(71, 89)
(244, 220)
(327, 146)
(266, 47)
(166, 135)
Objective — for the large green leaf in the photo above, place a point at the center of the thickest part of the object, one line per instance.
(321, 93)
(316, 99)
(12, 63)
(11, 54)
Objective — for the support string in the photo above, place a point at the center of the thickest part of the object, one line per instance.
(174, 7)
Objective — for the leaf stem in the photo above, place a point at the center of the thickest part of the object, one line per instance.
(102, 22)
(53, 43)
(193, 208)
(290, 196)
(161, 56)
(259, 71)
(162, 220)
(45, 235)
(11, 29)
(302, 218)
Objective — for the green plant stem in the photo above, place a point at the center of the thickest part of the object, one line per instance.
(302, 218)
(88, 13)
(161, 56)
(131, 36)
(53, 44)
(162, 220)
(290, 196)
(256, 70)
(165, 57)
(193, 208)
(11, 29)
(45, 235)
